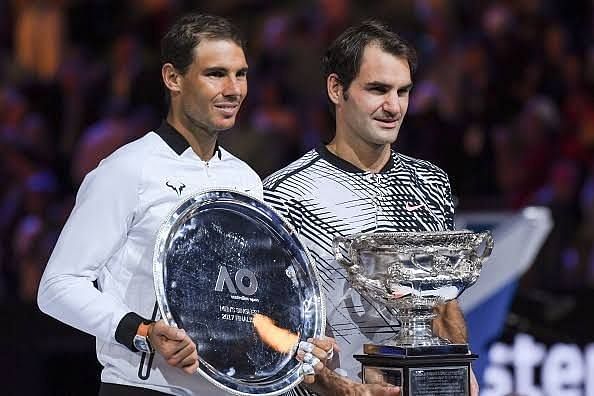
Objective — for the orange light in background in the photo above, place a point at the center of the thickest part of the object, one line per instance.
(277, 338)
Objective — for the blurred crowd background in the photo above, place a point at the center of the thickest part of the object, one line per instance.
(503, 101)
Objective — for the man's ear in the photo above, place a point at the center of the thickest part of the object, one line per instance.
(335, 88)
(171, 78)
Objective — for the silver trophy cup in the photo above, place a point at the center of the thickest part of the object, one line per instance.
(411, 273)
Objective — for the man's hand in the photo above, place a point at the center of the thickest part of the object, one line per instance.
(375, 390)
(316, 354)
(474, 386)
(330, 383)
(174, 345)
(450, 323)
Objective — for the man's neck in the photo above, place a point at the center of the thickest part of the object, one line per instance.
(201, 142)
(370, 158)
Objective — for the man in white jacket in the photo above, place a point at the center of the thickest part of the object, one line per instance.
(110, 234)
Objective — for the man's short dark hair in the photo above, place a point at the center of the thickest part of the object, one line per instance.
(345, 54)
(177, 46)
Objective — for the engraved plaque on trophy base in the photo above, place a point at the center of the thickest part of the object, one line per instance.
(430, 375)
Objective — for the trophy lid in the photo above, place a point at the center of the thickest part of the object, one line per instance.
(233, 273)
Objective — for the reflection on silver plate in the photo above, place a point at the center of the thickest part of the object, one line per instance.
(222, 257)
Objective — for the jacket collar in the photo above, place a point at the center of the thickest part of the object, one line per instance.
(176, 140)
(346, 166)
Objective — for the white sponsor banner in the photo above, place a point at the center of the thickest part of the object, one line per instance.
(530, 368)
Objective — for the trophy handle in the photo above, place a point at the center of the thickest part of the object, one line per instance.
(413, 260)
(340, 245)
(488, 239)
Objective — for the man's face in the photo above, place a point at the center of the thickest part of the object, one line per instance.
(373, 108)
(214, 86)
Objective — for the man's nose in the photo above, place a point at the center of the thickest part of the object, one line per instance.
(392, 105)
(232, 87)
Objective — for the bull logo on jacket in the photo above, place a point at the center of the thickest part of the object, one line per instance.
(178, 187)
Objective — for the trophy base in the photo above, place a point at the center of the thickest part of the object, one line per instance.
(444, 374)
(425, 350)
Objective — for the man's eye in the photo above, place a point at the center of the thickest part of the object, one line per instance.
(403, 92)
(217, 74)
(242, 74)
(378, 90)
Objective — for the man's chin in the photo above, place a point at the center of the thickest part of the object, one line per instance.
(224, 125)
(385, 140)
(387, 136)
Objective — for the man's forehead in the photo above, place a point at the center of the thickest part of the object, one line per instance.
(219, 53)
(210, 41)
(376, 63)
(220, 50)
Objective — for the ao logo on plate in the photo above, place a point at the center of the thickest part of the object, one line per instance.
(245, 281)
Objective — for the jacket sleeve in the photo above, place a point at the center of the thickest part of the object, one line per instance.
(96, 229)
(285, 206)
(448, 205)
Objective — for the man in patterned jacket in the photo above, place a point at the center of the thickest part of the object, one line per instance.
(357, 183)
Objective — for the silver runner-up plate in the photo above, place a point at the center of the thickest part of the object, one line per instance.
(233, 273)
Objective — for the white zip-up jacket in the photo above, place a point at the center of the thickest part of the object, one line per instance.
(109, 238)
